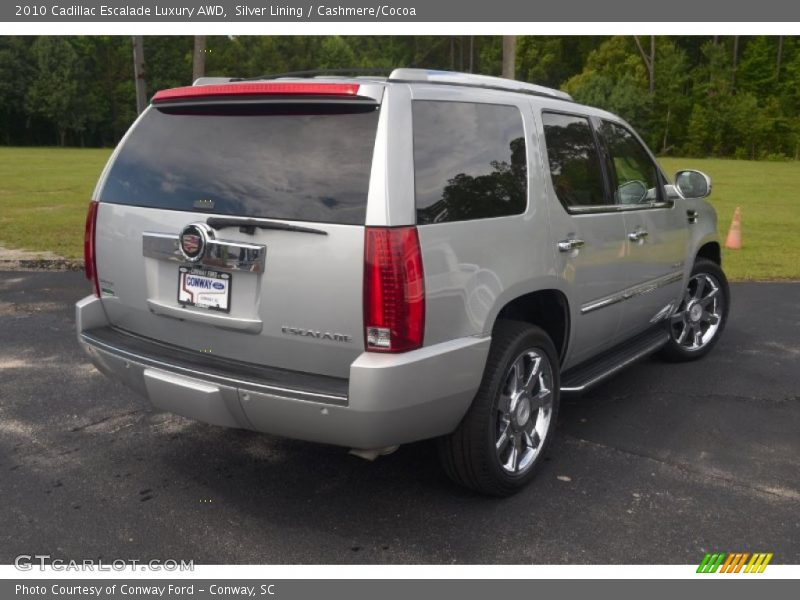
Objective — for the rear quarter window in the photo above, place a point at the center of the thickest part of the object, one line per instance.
(292, 162)
(470, 161)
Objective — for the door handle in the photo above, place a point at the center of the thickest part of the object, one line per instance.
(570, 244)
(638, 236)
(691, 215)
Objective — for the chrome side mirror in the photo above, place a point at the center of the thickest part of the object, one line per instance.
(693, 184)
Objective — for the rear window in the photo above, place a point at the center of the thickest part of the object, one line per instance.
(295, 162)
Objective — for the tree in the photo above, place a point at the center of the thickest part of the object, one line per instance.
(53, 93)
(615, 78)
(721, 95)
(16, 72)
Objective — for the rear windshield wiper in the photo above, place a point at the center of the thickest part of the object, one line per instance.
(250, 225)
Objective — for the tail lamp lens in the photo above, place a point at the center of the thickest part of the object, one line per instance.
(89, 258)
(394, 290)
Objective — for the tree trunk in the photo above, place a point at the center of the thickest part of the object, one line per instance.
(139, 74)
(452, 53)
(509, 56)
(472, 54)
(780, 58)
(652, 64)
(199, 57)
(649, 61)
(666, 131)
(735, 62)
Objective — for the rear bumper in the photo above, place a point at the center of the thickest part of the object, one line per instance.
(387, 400)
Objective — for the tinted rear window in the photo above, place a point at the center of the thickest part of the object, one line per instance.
(574, 160)
(294, 162)
(469, 161)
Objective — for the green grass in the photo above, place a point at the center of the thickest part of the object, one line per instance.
(769, 196)
(44, 193)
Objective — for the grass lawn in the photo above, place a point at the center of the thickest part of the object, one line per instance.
(44, 193)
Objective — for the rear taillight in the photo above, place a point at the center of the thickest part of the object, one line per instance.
(89, 257)
(394, 290)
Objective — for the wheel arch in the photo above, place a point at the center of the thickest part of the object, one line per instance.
(545, 308)
(711, 251)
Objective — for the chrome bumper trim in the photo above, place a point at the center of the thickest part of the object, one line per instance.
(244, 384)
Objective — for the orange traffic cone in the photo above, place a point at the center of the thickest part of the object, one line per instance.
(734, 240)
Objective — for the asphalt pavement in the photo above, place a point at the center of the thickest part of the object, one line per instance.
(660, 465)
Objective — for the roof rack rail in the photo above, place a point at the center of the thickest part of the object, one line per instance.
(211, 80)
(319, 73)
(408, 75)
(472, 80)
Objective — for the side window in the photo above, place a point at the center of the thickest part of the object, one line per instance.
(635, 175)
(470, 161)
(574, 160)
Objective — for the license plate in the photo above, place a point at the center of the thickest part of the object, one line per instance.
(204, 288)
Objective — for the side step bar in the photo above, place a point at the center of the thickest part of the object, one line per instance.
(588, 374)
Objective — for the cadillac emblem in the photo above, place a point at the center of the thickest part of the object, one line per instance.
(193, 241)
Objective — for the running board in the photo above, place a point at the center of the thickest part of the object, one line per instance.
(590, 373)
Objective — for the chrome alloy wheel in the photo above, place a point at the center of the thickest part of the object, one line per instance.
(699, 315)
(524, 411)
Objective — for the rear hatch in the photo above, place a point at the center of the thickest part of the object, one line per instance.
(232, 224)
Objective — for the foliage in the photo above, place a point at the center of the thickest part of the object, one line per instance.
(79, 90)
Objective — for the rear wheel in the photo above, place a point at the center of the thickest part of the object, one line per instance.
(500, 443)
(701, 316)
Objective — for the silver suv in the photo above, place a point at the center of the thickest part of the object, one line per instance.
(368, 262)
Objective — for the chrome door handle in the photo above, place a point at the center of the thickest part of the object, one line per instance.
(636, 236)
(570, 244)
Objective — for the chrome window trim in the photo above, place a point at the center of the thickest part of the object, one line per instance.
(219, 254)
(631, 292)
(612, 208)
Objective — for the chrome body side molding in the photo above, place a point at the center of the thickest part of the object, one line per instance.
(637, 290)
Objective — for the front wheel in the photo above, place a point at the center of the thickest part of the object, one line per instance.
(697, 324)
(499, 445)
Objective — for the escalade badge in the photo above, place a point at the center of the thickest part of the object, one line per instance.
(193, 241)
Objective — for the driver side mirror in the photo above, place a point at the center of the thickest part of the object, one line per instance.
(693, 184)
(632, 192)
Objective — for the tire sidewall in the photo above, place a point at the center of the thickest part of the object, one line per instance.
(530, 338)
(703, 265)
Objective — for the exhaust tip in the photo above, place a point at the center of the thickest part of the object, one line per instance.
(373, 453)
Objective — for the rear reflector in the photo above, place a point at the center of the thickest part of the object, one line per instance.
(258, 89)
(394, 290)
(89, 256)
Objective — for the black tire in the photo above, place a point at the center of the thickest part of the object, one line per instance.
(678, 350)
(469, 455)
